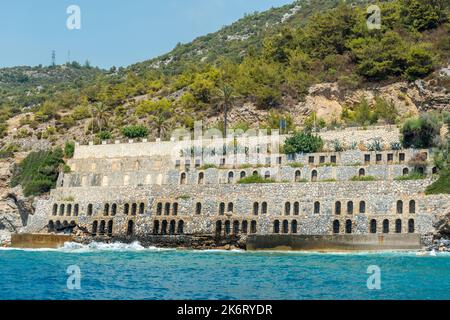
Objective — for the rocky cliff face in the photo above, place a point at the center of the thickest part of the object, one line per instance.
(14, 206)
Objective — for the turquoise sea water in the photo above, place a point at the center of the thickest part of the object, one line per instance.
(131, 272)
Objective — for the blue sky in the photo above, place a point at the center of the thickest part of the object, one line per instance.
(113, 32)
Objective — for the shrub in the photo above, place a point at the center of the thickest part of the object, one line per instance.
(69, 149)
(135, 131)
(420, 132)
(104, 135)
(442, 185)
(3, 129)
(303, 142)
(38, 172)
(414, 175)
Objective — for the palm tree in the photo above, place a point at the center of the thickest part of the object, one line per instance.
(160, 121)
(100, 116)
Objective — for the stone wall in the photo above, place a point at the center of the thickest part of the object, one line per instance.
(340, 166)
(380, 201)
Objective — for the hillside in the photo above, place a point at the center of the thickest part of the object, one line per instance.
(233, 42)
(307, 60)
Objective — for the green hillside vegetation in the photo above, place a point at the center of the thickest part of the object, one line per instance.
(38, 172)
(269, 64)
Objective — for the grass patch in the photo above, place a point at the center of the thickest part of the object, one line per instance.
(255, 179)
(415, 175)
(440, 186)
(328, 164)
(296, 165)
(364, 178)
(328, 180)
(207, 166)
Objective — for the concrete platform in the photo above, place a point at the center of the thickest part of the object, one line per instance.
(372, 242)
(39, 241)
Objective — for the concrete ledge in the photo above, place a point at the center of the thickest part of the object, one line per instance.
(39, 241)
(335, 242)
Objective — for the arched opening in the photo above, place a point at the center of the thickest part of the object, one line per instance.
(90, 209)
(337, 208)
(141, 208)
(156, 227)
(298, 176)
(276, 226)
(114, 209)
(230, 207)
(287, 208)
(102, 228)
(58, 226)
(294, 226)
(362, 207)
(267, 175)
(201, 178)
(350, 207)
(130, 228)
(126, 209)
(421, 170)
(61, 209)
(222, 209)
(198, 208)
(180, 229)
(244, 227)
(405, 171)
(348, 227)
(50, 226)
(110, 228)
(230, 177)
(106, 210)
(253, 228)
(172, 227)
(317, 207)
(167, 209)
(336, 227)
(65, 224)
(264, 208)
(227, 228)
(386, 226)
(159, 209)
(434, 170)
(243, 174)
(218, 227)
(183, 178)
(362, 172)
(69, 210)
(76, 210)
(411, 226)
(285, 226)
(175, 209)
(55, 209)
(296, 208)
(398, 226)
(164, 227)
(236, 227)
(373, 226)
(314, 176)
(412, 207)
(256, 208)
(94, 228)
(399, 206)
(134, 209)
